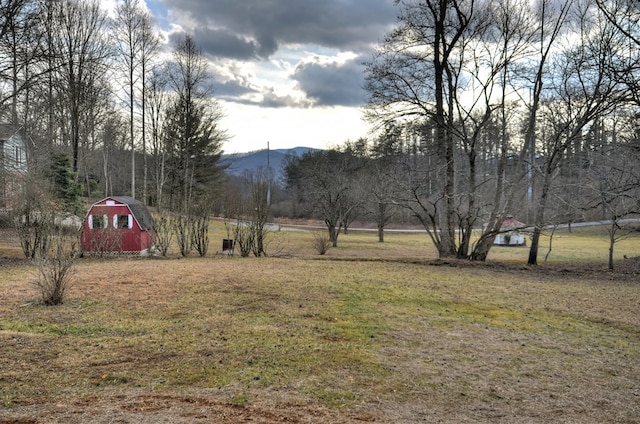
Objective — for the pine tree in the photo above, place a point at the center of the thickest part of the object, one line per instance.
(193, 144)
(64, 183)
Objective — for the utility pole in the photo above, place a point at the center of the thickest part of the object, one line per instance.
(268, 177)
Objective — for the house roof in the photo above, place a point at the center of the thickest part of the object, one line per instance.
(511, 223)
(140, 212)
(7, 131)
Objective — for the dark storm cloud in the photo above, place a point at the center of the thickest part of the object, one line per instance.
(225, 44)
(250, 28)
(238, 92)
(232, 90)
(331, 84)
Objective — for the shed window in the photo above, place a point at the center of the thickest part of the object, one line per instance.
(97, 221)
(123, 221)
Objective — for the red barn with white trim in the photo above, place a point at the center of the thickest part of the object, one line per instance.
(118, 224)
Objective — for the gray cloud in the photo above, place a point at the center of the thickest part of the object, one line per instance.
(240, 92)
(330, 84)
(253, 30)
(225, 43)
(232, 89)
(249, 28)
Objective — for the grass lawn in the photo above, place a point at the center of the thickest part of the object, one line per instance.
(370, 332)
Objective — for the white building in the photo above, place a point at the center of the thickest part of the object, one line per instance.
(511, 233)
(13, 164)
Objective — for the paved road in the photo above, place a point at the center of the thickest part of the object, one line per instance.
(295, 227)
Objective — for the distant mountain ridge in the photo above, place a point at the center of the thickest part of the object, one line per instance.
(239, 163)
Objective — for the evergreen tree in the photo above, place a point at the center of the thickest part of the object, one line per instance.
(64, 183)
(193, 143)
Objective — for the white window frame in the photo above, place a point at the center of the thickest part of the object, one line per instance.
(105, 221)
(129, 221)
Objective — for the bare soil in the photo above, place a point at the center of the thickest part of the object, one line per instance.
(145, 408)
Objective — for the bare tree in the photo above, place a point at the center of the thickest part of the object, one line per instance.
(128, 24)
(440, 70)
(584, 89)
(551, 18)
(155, 101)
(248, 204)
(81, 49)
(148, 51)
(414, 75)
(508, 42)
(34, 220)
(20, 53)
(164, 232)
(378, 191)
(326, 180)
(614, 186)
(137, 44)
(375, 183)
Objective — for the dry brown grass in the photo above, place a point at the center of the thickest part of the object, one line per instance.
(369, 332)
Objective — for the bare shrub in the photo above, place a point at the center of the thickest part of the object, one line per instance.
(200, 234)
(321, 242)
(106, 241)
(230, 241)
(34, 231)
(34, 225)
(183, 229)
(244, 237)
(55, 269)
(164, 233)
(250, 213)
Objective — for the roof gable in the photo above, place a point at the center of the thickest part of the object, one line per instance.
(512, 223)
(139, 211)
(8, 131)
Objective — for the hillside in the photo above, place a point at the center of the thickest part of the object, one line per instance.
(239, 163)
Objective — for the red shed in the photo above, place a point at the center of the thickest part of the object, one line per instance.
(118, 224)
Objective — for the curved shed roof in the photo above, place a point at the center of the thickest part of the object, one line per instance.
(139, 211)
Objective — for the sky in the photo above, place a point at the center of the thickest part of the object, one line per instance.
(287, 73)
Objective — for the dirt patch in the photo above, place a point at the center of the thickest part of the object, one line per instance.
(625, 270)
(160, 408)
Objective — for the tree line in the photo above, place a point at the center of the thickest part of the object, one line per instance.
(491, 108)
(131, 118)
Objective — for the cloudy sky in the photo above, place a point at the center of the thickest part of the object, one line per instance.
(287, 72)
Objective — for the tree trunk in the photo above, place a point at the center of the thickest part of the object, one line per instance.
(131, 132)
(484, 245)
(612, 242)
(333, 232)
(382, 207)
(533, 251)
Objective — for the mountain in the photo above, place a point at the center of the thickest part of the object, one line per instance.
(239, 163)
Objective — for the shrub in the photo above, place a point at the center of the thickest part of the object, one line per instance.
(183, 228)
(244, 237)
(164, 233)
(106, 242)
(201, 234)
(321, 242)
(55, 269)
